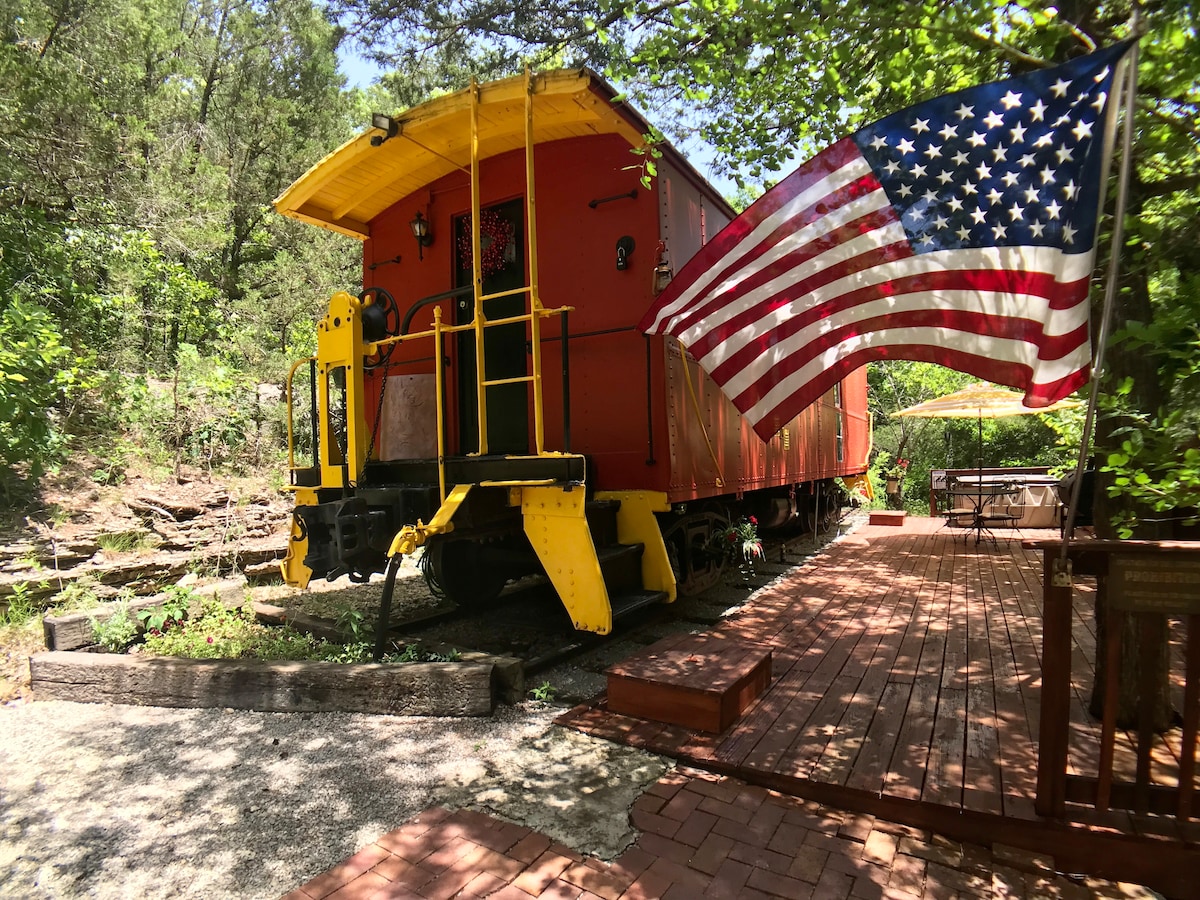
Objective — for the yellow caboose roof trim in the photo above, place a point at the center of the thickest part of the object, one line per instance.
(346, 190)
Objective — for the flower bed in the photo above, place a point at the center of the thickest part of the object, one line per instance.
(216, 654)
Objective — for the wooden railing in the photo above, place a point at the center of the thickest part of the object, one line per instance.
(1158, 584)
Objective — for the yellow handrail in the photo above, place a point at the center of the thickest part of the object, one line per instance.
(439, 388)
(535, 302)
(480, 320)
(517, 379)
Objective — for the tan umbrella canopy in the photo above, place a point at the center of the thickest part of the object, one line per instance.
(982, 401)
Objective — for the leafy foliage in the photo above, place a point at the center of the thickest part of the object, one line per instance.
(221, 633)
(171, 613)
(143, 141)
(20, 607)
(352, 621)
(37, 373)
(739, 541)
(118, 631)
(767, 84)
(1032, 440)
(543, 693)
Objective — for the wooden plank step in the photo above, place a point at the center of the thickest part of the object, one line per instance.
(702, 682)
(631, 601)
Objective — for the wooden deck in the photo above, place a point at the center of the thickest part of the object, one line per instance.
(906, 683)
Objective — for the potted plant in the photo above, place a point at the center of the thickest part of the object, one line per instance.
(894, 475)
(739, 543)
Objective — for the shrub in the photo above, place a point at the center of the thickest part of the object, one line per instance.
(36, 373)
(117, 632)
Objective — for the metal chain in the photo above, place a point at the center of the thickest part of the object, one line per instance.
(378, 415)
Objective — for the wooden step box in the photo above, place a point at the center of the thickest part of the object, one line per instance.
(700, 681)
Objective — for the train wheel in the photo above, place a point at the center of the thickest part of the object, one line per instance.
(830, 510)
(689, 545)
(460, 572)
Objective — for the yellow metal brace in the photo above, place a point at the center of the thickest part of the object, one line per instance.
(636, 525)
(410, 537)
(556, 527)
(292, 567)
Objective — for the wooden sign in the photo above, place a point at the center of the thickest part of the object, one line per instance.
(1167, 583)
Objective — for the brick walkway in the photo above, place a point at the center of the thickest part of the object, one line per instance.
(701, 836)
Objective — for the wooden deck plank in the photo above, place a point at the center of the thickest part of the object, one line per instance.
(981, 753)
(870, 769)
(1015, 722)
(896, 707)
(907, 668)
(851, 707)
(875, 659)
(908, 657)
(771, 724)
(823, 660)
(863, 637)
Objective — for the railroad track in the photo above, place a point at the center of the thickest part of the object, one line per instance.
(527, 621)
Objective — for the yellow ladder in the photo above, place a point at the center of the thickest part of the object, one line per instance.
(535, 311)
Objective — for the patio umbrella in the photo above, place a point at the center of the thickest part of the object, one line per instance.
(980, 401)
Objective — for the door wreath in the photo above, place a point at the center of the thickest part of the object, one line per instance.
(495, 241)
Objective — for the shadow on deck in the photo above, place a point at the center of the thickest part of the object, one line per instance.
(906, 683)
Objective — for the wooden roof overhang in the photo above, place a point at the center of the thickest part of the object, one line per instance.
(346, 190)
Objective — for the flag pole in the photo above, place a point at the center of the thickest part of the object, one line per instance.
(1110, 289)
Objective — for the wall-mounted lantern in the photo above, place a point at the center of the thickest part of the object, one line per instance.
(420, 230)
(662, 274)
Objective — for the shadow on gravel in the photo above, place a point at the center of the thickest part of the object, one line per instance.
(121, 801)
(141, 802)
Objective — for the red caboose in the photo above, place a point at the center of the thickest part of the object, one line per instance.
(506, 232)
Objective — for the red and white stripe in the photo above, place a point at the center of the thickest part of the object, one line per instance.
(818, 278)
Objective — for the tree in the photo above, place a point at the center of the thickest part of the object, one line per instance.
(141, 145)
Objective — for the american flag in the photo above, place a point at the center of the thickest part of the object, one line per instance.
(959, 231)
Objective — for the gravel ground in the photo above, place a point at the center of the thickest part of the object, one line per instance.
(142, 802)
(129, 802)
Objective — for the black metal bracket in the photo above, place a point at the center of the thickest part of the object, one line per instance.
(631, 195)
(387, 262)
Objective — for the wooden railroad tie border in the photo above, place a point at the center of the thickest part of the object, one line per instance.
(409, 689)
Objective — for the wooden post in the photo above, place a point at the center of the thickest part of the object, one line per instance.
(1053, 732)
(1108, 731)
(1191, 718)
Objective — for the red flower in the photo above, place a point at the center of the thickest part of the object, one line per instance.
(753, 521)
(732, 537)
